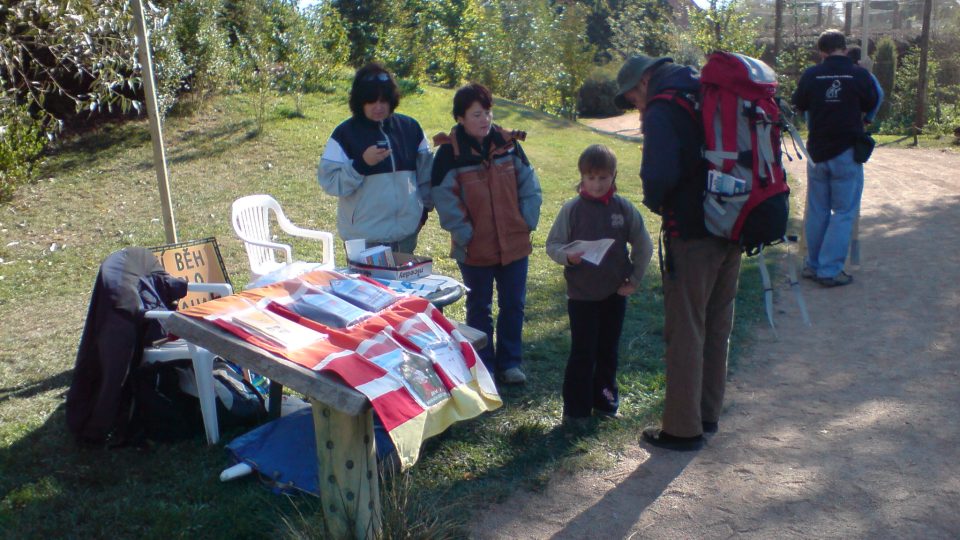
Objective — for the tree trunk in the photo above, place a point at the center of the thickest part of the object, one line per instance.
(847, 18)
(777, 31)
(920, 118)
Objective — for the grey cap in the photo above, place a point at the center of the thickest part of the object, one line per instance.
(631, 73)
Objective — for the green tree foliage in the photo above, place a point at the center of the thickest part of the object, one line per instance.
(884, 68)
(642, 26)
(329, 43)
(725, 26)
(401, 47)
(903, 102)
(64, 57)
(451, 28)
(21, 142)
(365, 21)
(795, 55)
(599, 31)
(203, 45)
(576, 58)
(533, 52)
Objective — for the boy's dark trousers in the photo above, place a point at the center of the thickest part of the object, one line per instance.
(595, 328)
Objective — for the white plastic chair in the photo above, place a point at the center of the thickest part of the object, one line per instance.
(201, 358)
(251, 222)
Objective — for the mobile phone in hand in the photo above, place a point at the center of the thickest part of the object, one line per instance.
(383, 145)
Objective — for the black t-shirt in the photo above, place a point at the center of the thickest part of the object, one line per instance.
(835, 93)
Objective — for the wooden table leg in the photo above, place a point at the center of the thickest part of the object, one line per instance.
(349, 483)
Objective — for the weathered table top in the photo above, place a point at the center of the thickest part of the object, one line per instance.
(313, 384)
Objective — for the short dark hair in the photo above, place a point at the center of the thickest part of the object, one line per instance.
(468, 94)
(596, 158)
(372, 83)
(854, 53)
(831, 40)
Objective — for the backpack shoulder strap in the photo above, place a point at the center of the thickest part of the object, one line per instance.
(687, 102)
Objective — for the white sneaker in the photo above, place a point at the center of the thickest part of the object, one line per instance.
(513, 376)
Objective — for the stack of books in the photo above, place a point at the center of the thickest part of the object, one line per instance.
(377, 256)
(327, 309)
(362, 294)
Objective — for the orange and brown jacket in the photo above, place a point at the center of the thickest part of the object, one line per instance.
(487, 196)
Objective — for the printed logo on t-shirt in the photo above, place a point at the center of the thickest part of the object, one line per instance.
(833, 93)
(617, 221)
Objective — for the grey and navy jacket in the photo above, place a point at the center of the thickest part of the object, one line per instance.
(385, 202)
(673, 170)
(590, 219)
(836, 93)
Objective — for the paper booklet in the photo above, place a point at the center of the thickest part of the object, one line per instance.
(415, 373)
(421, 287)
(326, 308)
(438, 346)
(593, 250)
(274, 328)
(362, 294)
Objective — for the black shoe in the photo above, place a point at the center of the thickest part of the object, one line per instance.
(838, 280)
(605, 414)
(710, 427)
(661, 439)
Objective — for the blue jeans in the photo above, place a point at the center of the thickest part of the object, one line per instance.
(834, 188)
(511, 283)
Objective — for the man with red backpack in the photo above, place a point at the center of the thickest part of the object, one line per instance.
(700, 270)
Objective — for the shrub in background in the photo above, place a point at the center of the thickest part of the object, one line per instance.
(903, 102)
(203, 45)
(21, 142)
(884, 68)
(596, 95)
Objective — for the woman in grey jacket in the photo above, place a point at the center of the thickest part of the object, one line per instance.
(378, 163)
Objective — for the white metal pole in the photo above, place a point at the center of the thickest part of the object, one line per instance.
(156, 134)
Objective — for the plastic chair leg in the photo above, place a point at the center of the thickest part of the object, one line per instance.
(203, 370)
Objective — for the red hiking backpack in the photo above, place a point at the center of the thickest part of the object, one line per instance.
(745, 195)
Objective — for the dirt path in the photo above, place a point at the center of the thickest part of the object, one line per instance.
(847, 429)
(627, 124)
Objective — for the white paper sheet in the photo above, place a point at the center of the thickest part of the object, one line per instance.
(593, 250)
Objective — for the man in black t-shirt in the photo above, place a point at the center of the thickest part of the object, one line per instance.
(836, 93)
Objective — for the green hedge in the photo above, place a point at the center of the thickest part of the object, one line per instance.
(21, 142)
(596, 95)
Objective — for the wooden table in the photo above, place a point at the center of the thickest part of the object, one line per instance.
(342, 417)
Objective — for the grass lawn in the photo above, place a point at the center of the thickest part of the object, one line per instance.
(98, 193)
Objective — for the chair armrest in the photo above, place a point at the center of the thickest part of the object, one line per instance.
(159, 314)
(287, 250)
(323, 236)
(223, 289)
(309, 233)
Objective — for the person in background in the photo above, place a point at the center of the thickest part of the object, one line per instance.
(378, 163)
(488, 198)
(700, 271)
(597, 293)
(854, 53)
(836, 93)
